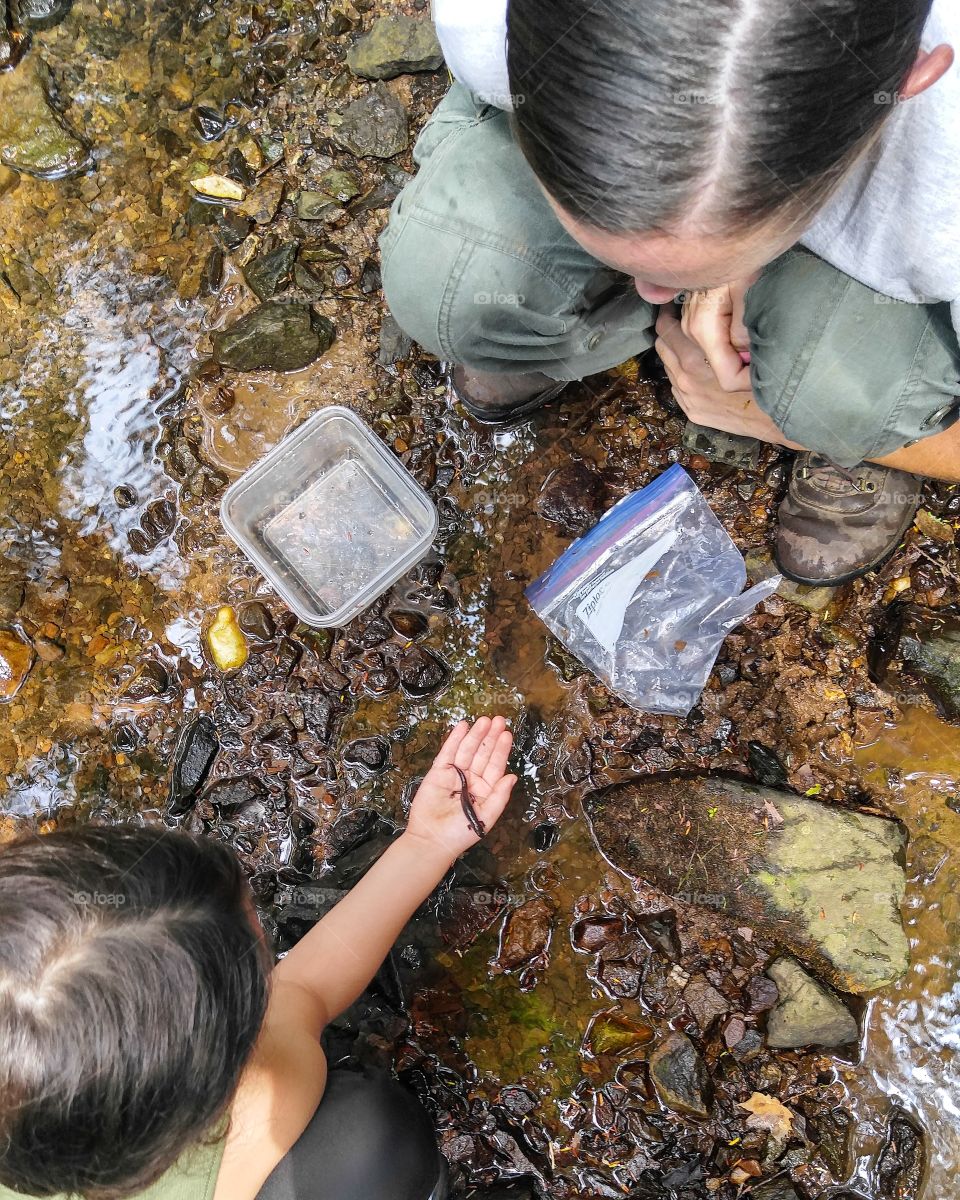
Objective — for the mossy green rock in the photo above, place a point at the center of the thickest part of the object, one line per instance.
(275, 337)
(269, 273)
(825, 883)
(33, 137)
(936, 660)
(375, 126)
(396, 45)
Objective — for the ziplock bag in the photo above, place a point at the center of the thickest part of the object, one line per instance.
(646, 598)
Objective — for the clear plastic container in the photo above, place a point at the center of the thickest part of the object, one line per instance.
(330, 517)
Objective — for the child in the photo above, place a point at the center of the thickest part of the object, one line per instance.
(147, 1048)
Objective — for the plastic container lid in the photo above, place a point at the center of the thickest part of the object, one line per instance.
(330, 517)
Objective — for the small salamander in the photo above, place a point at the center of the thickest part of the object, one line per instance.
(466, 803)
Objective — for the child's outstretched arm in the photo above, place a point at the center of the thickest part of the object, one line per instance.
(333, 964)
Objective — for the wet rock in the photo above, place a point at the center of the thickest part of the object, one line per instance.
(806, 1014)
(350, 830)
(902, 1163)
(371, 755)
(232, 228)
(423, 673)
(396, 45)
(934, 658)
(196, 750)
(409, 623)
(16, 660)
(41, 14)
(775, 1189)
(593, 933)
(573, 497)
(256, 621)
(395, 345)
(375, 126)
(611, 1033)
(620, 980)
(228, 646)
(315, 206)
(826, 883)
(704, 1001)
(760, 566)
(231, 798)
(276, 337)
(831, 1129)
(545, 836)
(264, 201)
(728, 449)
(659, 931)
(761, 994)
(270, 273)
(150, 681)
(525, 937)
(679, 1076)
(209, 124)
(219, 187)
(158, 522)
(370, 278)
(766, 767)
(33, 137)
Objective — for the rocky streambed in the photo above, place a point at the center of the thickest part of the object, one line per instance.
(656, 977)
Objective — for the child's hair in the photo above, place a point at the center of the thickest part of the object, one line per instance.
(639, 116)
(133, 986)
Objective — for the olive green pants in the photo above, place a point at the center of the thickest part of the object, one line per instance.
(479, 271)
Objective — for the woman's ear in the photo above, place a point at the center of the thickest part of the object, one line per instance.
(930, 66)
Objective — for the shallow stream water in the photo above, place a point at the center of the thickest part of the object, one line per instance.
(95, 357)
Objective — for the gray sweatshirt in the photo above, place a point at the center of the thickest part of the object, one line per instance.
(894, 224)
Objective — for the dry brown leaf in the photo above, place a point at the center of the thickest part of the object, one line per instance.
(766, 1112)
(933, 527)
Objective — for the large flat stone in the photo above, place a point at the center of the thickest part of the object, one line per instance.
(825, 883)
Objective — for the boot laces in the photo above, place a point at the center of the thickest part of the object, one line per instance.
(826, 474)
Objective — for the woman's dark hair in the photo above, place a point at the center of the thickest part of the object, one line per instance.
(132, 990)
(639, 114)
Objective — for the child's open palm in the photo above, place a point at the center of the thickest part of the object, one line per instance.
(438, 814)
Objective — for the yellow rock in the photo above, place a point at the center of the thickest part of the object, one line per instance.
(218, 187)
(228, 646)
(16, 659)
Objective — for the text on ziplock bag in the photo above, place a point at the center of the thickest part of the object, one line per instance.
(646, 598)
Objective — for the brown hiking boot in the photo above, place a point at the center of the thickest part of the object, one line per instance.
(837, 524)
(493, 398)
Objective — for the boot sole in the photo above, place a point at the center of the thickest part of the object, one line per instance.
(485, 417)
(839, 580)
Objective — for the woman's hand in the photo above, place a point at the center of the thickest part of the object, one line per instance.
(437, 817)
(700, 393)
(714, 320)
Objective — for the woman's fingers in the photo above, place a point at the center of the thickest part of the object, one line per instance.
(713, 321)
(499, 755)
